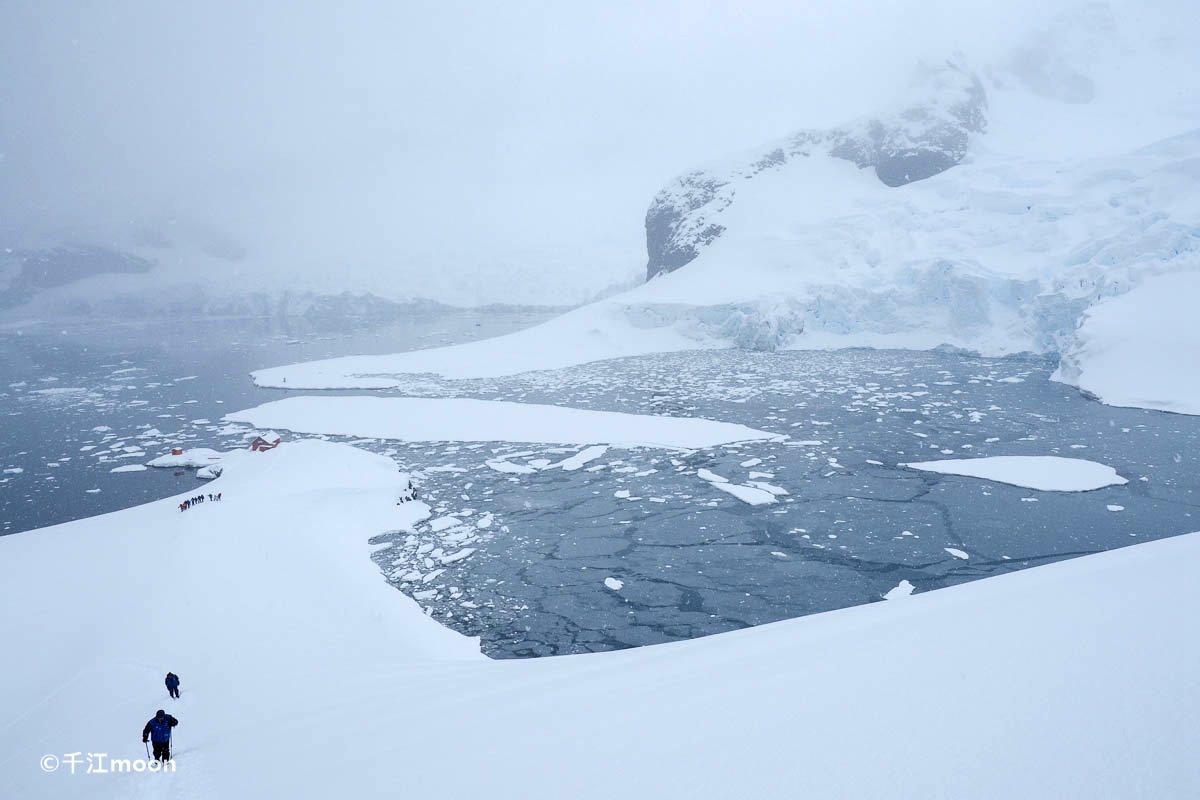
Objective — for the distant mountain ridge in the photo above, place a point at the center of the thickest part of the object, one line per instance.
(24, 273)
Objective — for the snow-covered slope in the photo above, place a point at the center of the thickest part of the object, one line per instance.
(1140, 349)
(305, 676)
(921, 139)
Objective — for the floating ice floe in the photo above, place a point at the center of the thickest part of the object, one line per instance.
(756, 494)
(443, 523)
(500, 465)
(1044, 473)
(419, 419)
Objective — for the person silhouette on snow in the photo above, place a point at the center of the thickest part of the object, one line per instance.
(158, 731)
(172, 682)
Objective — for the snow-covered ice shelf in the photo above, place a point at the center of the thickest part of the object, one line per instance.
(459, 419)
(1140, 349)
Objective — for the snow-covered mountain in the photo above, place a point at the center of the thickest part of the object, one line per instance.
(1026, 205)
(987, 211)
(918, 141)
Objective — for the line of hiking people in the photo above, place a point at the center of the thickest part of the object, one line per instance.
(158, 730)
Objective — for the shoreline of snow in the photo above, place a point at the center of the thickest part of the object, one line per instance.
(464, 419)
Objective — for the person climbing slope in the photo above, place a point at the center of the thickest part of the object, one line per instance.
(172, 682)
(158, 731)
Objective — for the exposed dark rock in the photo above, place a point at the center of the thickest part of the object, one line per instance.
(33, 271)
(914, 143)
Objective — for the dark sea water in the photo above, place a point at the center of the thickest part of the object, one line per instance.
(77, 401)
(634, 548)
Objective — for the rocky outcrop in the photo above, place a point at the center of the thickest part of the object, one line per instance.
(28, 272)
(919, 141)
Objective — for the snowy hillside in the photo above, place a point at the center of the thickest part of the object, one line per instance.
(304, 675)
(925, 138)
(1043, 184)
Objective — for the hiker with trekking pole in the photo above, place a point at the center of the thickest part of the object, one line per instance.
(158, 731)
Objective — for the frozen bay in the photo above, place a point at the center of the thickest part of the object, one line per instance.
(634, 545)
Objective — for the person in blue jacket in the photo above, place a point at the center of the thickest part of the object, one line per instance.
(158, 730)
(173, 685)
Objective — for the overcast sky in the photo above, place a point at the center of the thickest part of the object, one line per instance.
(426, 133)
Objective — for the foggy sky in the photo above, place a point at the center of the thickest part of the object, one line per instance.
(426, 138)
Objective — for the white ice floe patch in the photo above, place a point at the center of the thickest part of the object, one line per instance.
(1044, 473)
(747, 494)
(902, 589)
(129, 468)
(754, 494)
(500, 465)
(954, 551)
(443, 523)
(455, 557)
(614, 584)
(581, 458)
(463, 419)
